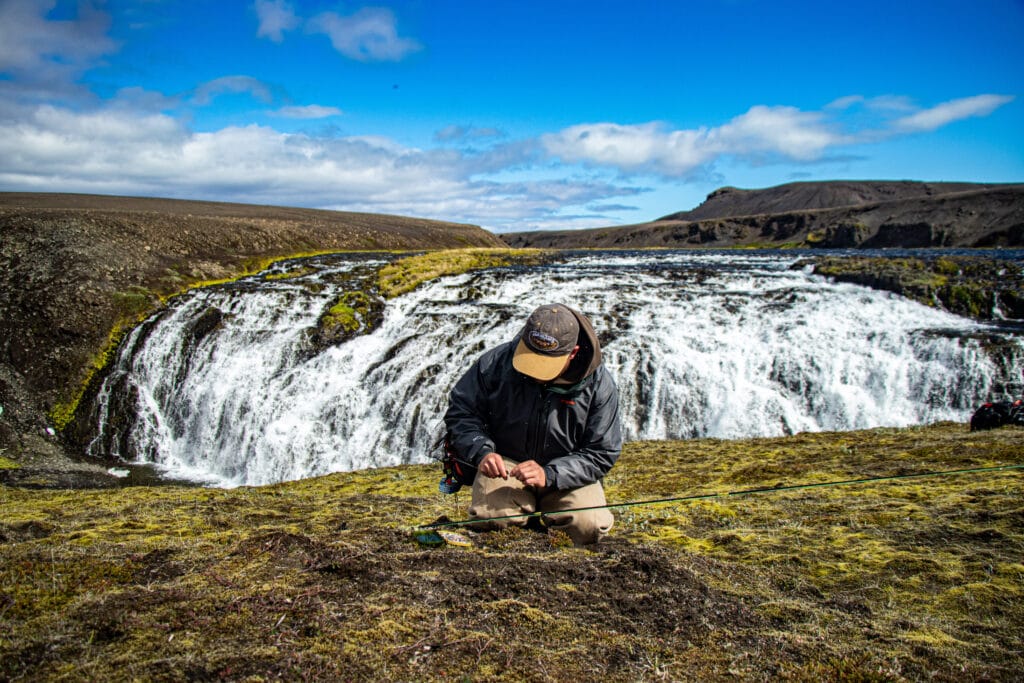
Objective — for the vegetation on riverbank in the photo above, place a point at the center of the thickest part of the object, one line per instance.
(971, 286)
(137, 303)
(320, 580)
(406, 274)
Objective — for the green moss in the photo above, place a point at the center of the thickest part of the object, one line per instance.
(350, 309)
(135, 303)
(946, 266)
(319, 579)
(289, 274)
(63, 412)
(7, 464)
(965, 299)
(406, 274)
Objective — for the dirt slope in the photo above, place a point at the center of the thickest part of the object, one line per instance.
(75, 266)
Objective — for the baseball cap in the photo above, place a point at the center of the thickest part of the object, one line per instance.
(546, 341)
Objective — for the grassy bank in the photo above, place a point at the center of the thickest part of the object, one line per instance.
(920, 578)
(406, 274)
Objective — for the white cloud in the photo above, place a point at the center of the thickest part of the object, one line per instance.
(133, 146)
(275, 17)
(123, 151)
(369, 35)
(309, 111)
(762, 134)
(881, 103)
(948, 112)
(787, 131)
(462, 133)
(845, 102)
(45, 56)
(205, 93)
(653, 148)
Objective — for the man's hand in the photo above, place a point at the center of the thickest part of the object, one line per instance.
(530, 473)
(493, 466)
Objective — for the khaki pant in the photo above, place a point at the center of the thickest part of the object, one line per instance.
(503, 497)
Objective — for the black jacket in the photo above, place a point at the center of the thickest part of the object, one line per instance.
(571, 429)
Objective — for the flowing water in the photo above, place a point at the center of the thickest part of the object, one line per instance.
(225, 386)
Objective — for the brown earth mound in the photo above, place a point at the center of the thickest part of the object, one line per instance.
(76, 267)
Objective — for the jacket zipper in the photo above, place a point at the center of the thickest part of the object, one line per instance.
(535, 429)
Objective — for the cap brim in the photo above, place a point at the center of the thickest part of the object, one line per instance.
(537, 366)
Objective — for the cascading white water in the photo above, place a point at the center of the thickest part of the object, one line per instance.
(702, 344)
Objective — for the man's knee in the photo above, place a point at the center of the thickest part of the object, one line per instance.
(585, 527)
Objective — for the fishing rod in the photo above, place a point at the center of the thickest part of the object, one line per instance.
(708, 496)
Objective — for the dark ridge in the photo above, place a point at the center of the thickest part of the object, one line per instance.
(728, 202)
(841, 215)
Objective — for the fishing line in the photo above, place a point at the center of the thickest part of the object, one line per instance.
(710, 496)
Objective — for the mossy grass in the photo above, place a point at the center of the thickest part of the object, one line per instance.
(406, 274)
(320, 580)
(970, 286)
(348, 312)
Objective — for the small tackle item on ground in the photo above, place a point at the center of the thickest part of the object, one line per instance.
(433, 538)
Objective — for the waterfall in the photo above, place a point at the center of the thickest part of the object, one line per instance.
(225, 387)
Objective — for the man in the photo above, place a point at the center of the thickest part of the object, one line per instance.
(539, 418)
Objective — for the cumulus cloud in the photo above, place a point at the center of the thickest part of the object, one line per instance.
(369, 35)
(123, 151)
(134, 145)
(309, 111)
(275, 17)
(762, 134)
(787, 131)
(953, 110)
(652, 147)
(44, 56)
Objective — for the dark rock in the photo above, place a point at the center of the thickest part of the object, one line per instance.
(207, 322)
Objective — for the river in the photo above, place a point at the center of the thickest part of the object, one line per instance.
(702, 344)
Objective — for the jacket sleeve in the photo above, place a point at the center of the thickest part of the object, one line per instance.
(466, 417)
(601, 443)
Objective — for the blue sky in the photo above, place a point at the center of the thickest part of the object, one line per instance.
(510, 115)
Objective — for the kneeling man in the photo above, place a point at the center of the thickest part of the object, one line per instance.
(538, 417)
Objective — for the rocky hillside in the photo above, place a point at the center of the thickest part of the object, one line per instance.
(78, 269)
(825, 215)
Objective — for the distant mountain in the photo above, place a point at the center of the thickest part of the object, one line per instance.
(837, 214)
(728, 202)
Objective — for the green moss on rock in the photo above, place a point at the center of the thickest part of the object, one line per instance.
(967, 286)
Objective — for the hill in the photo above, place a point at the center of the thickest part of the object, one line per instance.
(824, 215)
(917, 577)
(79, 270)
